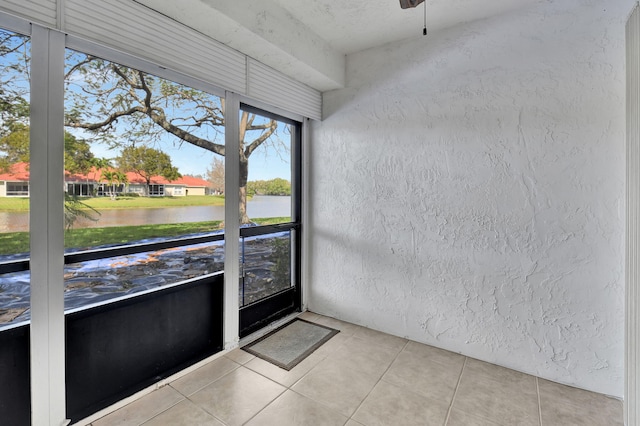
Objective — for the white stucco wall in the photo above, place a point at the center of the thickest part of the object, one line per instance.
(467, 191)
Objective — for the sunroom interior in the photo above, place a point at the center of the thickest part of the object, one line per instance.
(472, 188)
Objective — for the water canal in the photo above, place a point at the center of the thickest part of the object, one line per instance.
(258, 206)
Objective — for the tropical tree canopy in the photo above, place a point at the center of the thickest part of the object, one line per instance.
(14, 148)
(130, 107)
(146, 162)
(14, 82)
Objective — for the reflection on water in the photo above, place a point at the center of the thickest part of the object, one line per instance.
(121, 217)
(269, 206)
(14, 221)
(258, 206)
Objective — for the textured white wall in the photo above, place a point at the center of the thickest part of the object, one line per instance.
(467, 191)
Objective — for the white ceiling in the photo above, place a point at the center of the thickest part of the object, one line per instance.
(351, 26)
(308, 39)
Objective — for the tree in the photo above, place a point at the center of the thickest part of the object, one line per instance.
(147, 162)
(137, 107)
(112, 177)
(14, 119)
(120, 177)
(14, 148)
(78, 157)
(215, 175)
(14, 82)
(276, 186)
(108, 176)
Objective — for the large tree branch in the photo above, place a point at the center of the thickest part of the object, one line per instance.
(132, 83)
(139, 91)
(158, 117)
(77, 66)
(107, 121)
(273, 125)
(147, 90)
(261, 126)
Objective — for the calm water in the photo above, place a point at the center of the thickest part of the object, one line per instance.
(259, 206)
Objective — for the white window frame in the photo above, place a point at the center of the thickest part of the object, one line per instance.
(47, 187)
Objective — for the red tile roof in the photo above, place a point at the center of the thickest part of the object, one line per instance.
(17, 172)
(20, 172)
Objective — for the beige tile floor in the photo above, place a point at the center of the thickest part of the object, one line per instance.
(364, 378)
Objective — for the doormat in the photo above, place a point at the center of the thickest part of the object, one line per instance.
(286, 346)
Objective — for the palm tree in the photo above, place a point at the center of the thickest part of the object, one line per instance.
(120, 177)
(109, 176)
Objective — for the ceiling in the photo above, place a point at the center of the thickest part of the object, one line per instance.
(351, 26)
(308, 40)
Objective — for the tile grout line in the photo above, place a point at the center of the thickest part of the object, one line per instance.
(379, 380)
(455, 392)
(184, 398)
(290, 387)
(539, 405)
(287, 387)
(188, 397)
(170, 384)
(207, 411)
(324, 404)
(268, 405)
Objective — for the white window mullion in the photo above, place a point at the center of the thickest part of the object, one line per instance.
(231, 221)
(47, 228)
(306, 214)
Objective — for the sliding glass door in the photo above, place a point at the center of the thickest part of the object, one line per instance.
(269, 218)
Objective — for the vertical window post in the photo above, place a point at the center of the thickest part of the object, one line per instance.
(231, 221)
(47, 228)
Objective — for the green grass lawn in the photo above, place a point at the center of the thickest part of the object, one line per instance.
(18, 242)
(14, 204)
(101, 203)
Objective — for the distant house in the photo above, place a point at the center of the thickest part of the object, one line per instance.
(195, 186)
(15, 183)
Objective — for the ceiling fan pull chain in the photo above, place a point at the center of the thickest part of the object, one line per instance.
(424, 31)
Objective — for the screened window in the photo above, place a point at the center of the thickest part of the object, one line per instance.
(156, 190)
(14, 171)
(125, 130)
(17, 189)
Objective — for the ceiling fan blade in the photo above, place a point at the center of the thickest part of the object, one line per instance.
(406, 4)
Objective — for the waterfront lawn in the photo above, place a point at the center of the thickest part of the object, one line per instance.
(92, 237)
(14, 204)
(100, 203)
(18, 242)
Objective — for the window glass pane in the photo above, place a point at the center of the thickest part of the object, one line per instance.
(265, 169)
(266, 263)
(14, 175)
(139, 151)
(268, 183)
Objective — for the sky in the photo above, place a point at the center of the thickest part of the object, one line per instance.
(265, 163)
(269, 161)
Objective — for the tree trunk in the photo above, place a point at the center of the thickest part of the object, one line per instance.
(244, 174)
